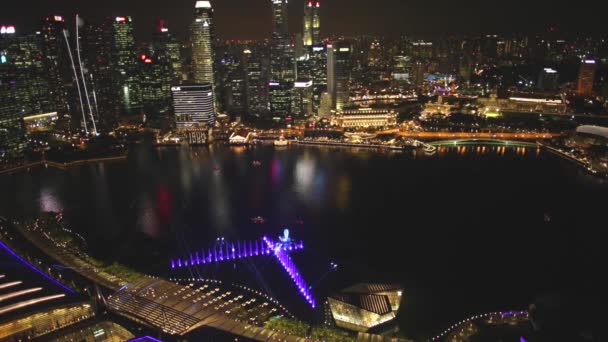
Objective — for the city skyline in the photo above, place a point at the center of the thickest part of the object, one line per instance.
(342, 17)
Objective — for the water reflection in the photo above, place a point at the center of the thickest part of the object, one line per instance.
(49, 201)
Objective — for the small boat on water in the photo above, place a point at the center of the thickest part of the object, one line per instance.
(258, 219)
(281, 141)
(256, 163)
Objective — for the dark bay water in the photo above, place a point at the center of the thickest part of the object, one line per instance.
(464, 231)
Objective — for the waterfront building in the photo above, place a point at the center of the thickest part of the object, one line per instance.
(193, 105)
(526, 103)
(364, 306)
(365, 118)
(586, 77)
(240, 137)
(202, 44)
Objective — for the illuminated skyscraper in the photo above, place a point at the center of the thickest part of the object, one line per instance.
(586, 76)
(125, 66)
(202, 43)
(338, 73)
(193, 105)
(282, 61)
(24, 89)
(156, 79)
(256, 79)
(312, 23)
(166, 47)
(280, 97)
(548, 79)
(282, 64)
(56, 61)
(97, 50)
(318, 70)
(231, 86)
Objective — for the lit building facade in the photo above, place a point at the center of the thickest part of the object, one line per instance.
(364, 306)
(280, 98)
(548, 79)
(365, 117)
(586, 77)
(193, 105)
(318, 71)
(24, 89)
(302, 98)
(339, 73)
(312, 23)
(232, 85)
(156, 75)
(125, 66)
(202, 44)
(56, 61)
(282, 62)
(166, 47)
(256, 80)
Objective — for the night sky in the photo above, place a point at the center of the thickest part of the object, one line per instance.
(250, 19)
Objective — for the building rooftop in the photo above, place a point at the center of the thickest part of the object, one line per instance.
(594, 130)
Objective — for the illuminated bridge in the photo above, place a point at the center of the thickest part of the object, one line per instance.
(179, 309)
(495, 142)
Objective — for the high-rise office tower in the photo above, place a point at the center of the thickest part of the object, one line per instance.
(232, 80)
(548, 79)
(97, 51)
(166, 47)
(312, 23)
(57, 62)
(280, 97)
(586, 76)
(318, 70)
(193, 105)
(282, 64)
(339, 73)
(125, 66)
(156, 75)
(302, 98)
(256, 80)
(202, 43)
(24, 89)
